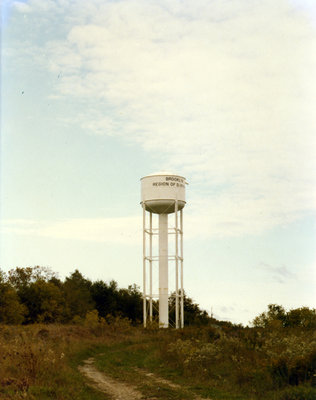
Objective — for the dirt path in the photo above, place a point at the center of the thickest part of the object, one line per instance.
(118, 390)
(157, 379)
(163, 381)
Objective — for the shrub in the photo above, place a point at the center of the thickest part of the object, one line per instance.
(256, 360)
(298, 393)
(27, 356)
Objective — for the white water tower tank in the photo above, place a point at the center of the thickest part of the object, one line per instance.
(160, 191)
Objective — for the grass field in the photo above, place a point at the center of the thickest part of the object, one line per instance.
(41, 362)
(139, 360)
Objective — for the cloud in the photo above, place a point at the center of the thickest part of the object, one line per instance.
(21, 6)
(106, 230)
(231, 219)
(220, 91)
(279, 274)
(227, 309)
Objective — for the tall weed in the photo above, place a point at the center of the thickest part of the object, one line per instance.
(36, 361)
(255, 360)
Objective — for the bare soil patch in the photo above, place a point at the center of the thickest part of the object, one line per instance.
(164, 381)
(117, 390)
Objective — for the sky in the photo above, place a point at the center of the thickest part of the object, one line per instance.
(97, 94)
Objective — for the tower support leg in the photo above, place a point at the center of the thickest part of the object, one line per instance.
(150, 267)
(144, 268)
(163, 271)
(177, 265)
(181, 270)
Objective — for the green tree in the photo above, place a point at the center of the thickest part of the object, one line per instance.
(274, 317)
(301, 317)
(105, 297)
(130, 303)
(11, 310)
(22, 277)
(44, 301)
(38, 293)
(78, 299)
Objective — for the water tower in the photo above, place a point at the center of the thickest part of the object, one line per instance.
(162, 194)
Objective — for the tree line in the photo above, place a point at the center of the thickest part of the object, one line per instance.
(36, 295)
(277, 317)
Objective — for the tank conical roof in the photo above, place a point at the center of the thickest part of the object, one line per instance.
(163, 173)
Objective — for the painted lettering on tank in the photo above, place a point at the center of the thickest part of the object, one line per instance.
(174, 178)
(160, 183)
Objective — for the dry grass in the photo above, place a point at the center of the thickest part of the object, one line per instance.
(40, 361)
